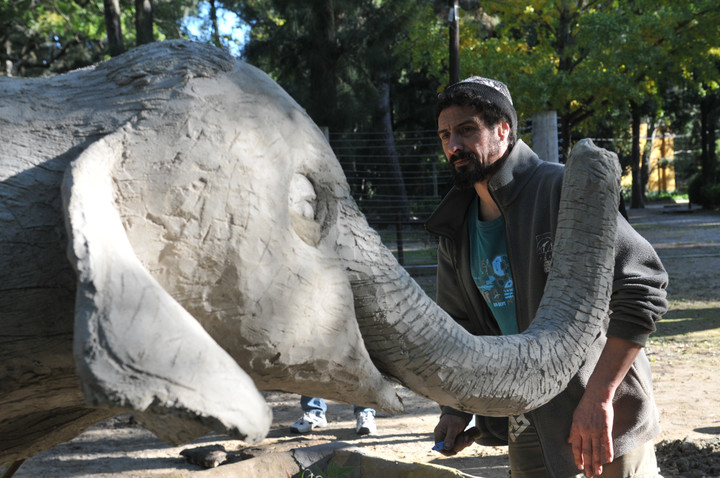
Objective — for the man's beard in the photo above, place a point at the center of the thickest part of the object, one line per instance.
(474, 171)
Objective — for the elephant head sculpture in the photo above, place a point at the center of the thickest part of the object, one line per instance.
(214, 249)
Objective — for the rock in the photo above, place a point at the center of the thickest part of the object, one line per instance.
(206, 456)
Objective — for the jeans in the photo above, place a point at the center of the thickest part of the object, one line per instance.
(314, 404)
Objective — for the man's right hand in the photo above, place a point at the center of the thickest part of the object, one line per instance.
(450, 430)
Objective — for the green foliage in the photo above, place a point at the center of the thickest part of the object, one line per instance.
(43, 37)
(423, 47)
(46, 37)
(704, 193)
(331, 56)
(596, 64)
(666, 196)
(333, 471)
(586, 60)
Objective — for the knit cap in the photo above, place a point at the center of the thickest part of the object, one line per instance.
(492, 91)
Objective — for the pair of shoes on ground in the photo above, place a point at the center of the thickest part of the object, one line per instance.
(310, 420)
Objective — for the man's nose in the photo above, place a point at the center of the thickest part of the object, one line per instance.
(454, 144)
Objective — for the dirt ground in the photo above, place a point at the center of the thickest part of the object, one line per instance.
(684, 354)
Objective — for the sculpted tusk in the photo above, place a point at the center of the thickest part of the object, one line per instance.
(413, 340)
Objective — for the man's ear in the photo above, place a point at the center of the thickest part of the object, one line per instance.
(503, 130)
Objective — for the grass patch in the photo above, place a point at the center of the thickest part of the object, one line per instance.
(416, 257)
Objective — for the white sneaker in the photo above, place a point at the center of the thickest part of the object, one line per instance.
(365, 423)
(308, 421)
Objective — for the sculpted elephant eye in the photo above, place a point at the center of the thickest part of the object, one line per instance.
(302, 203)
(302, 197)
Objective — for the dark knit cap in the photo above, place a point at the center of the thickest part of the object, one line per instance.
(491, 91)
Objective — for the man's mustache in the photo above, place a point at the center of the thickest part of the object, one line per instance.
(463, 155)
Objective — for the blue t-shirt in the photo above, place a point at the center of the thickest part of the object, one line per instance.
(490, 268)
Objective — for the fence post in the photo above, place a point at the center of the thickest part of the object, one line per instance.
(399, 235)
(544, 135)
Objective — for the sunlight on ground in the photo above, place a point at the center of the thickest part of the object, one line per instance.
(690, 331)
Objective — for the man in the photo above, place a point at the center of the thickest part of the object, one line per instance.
(496, 226)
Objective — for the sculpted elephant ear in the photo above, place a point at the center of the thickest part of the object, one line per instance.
(135, 347)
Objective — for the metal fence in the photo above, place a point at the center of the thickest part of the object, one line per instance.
(397, 204)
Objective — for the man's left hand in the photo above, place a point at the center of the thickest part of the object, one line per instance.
(591, 430)
(591, 434)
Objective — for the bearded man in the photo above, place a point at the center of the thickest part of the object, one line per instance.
(496, 229)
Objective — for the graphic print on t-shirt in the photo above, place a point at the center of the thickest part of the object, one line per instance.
(490, 268)
(495, 282)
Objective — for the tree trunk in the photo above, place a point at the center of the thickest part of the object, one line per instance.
(113, 27)
(637, 189)
(566, 134)
(323, 61)
(646, 155)
(454, 43)
(215, 28)
(144, 21)
(8, 66)
(383, 120)
(708, 121)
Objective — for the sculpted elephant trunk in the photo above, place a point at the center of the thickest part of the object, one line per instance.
(412, 339)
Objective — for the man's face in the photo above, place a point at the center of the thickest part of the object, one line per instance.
(472, 148)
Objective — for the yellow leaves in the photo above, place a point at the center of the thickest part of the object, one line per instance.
(52, 19)
(276, 18)
(651, 85)
(527, 69)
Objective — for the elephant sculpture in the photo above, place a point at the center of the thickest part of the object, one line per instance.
(176, 234)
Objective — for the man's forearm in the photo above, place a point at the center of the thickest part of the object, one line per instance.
(615, 360)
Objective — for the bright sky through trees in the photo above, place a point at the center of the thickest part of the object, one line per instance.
(229, 25)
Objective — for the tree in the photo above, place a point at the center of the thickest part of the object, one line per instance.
(592, 61)
(144, 21)
(696, 94)
(45, 37)
(113, 25)
(653, 45)
(41, 37)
